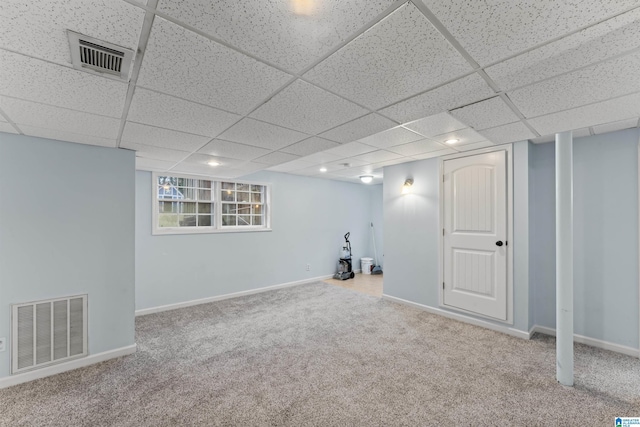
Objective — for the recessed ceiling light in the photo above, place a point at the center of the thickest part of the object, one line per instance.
(213, 163)
(366, 178)
(323, 169)
(451, 141)
(302, 7)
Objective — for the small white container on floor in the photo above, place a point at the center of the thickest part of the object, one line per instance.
(366, 264)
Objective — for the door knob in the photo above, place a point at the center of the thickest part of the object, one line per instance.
(499, 243)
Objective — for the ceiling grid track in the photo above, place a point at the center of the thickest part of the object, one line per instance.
(637, 92)
(474, 64)
(296, 76)
(137, 64)
(326, 55)
(11, 122)
(573, 70)
(560, 37)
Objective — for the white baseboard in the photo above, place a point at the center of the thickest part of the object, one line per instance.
(145, 311)
(65, 366)
(593, 342)
(462, 318)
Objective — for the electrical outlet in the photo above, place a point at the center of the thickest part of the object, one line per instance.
(3, 344)
(308, 267)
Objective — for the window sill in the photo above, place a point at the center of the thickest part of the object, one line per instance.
(178, 231)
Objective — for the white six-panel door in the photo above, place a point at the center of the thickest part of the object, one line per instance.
(475, 234)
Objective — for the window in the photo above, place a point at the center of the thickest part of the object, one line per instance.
(242, 204)
(184, 204)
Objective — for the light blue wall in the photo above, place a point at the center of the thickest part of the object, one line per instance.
(310, 218)
(411, 232)
(605, 236)
(521, 289)
(543, 234)
(67, 228)
(532, 235)
(378, 223)
(411, 235)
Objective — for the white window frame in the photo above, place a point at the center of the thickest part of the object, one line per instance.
(216, 226)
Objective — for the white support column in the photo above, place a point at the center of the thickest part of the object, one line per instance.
(564, 258)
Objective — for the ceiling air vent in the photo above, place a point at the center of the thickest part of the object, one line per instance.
(99, 57)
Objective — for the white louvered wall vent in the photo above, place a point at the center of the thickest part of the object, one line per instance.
(48, 332)
(99, 57)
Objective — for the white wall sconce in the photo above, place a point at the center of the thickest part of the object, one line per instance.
(406, 187)
(366, 178)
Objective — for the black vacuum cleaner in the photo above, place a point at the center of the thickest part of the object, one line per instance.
(345, 268)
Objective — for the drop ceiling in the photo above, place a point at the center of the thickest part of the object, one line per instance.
(296, 85)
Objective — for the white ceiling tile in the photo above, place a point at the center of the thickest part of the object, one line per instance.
(152, 164)
(274, 31)
(543, 139)
(391, 137)
(615, 126)
(463, 91)
(276, 158)
(204, 159)
(351, 149)
(151, 152)
(599, 42)
(309, 146)
(578, 133)
(612, 110)
(233, 150)
(195, 168)
(355, 172)
(7, 127)
(62, 135)
(182, 63)
(166, 111)
(417, 147)
(38, 27)
(403, 159)
(375, 157)
(399, 57)
(250, 167)
(486, 114)
(226, 174)
(290, 166)
(60, 119)
(158, 137)
(307, 108)
(336, 178)
(436, 125)
(433, 154)
(310, 171)
(598, 82)
(492, 30)
(517, 131)
(40, 81)
(260, 134)
(321, 158)
(359, 128)
(475, 146)
(464, 136)
(339, 165)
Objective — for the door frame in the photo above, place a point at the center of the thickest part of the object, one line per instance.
(509, 191)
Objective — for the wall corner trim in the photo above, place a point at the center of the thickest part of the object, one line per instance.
(48, 371)
(593, 342)
(461, 318)
(161, 308)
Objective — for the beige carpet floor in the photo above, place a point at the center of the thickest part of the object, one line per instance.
(321, 355)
